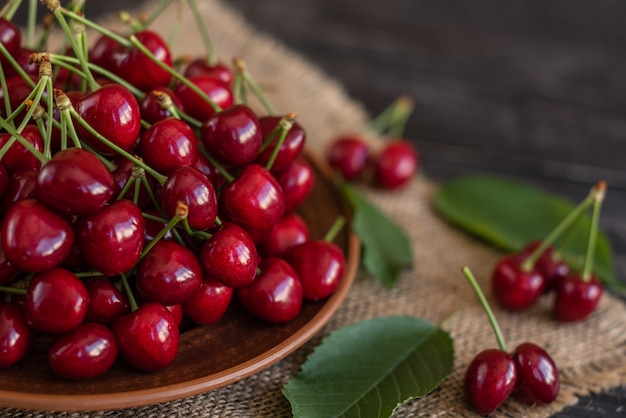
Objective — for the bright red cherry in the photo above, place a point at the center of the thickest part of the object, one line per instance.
(34, 237)
(292, 145)
(296, 181)
(15, 335)
(575, 298)
(150, 106)
(395, 165)
(290, 231)
(538, 379)
(551, 267)
(209, 304)
(219, 71)
(86, 352)
(168, 144)
(56, 301)
(513, 287)
(195, 105)
(349, 156)
(106, 301)
(490, 379)
(275, 295)
(19, 157)
(139, 69)
(10, 37)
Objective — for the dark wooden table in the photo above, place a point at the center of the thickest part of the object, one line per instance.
(534, 89)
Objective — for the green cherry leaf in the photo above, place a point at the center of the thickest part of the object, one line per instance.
(369, 368)
(509, 214)
(386, 248)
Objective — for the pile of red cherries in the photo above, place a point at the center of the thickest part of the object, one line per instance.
(134, 195)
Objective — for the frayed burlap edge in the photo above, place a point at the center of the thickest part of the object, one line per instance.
(590, 355)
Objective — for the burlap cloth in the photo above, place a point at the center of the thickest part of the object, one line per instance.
(590, 355)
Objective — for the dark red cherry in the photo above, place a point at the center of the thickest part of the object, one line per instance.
(122, 174)
(148, 337)
(195, 105)
(107, 53)
(290, 231)
(538, 379)
(22, 57)
(177, 313)
(292, 145)
(319, 265)
(75, 182)
(169, 274)
(396, 164)
(219, 71)
(18, 90)
(150, 106)
(296, 181)
(34, 237)
(188, 185)
(22, 185)
(489, 380)
(575, 298)
(15, 335)
(254, 200)
(204, 166)
(86, 352)
(275, 295)
(209, 304)
(10, 37)
(19, 157)
(56, 301)
(106, 301)
(8, 271)
(348, 155)
(112, 111)
(140, 70)
(229, 256)
(111, 239)
(551, 267)
(168, 144)
(513, 287)
(4, 180)
(232, 135)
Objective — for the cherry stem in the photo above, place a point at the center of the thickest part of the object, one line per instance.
(241, 68)
(381, 123)
(129, 293)
(133, 23)
(175, 30)
(31, 24)
(229, 177)
(399, 117)
(531, 260)
(204, 33)
(284, 126)
(136, 174)
(483, 301)
(16, 66)
(12, 290)
(182, 210)
(165, 102)
(156, 12)
(598, 198)
(9, 10)
(334, 229)
(15, 134)
(85, 274)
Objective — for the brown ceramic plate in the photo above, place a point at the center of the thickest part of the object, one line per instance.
(209, 357)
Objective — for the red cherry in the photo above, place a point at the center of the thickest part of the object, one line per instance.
(8, 271)
(349, 156)
(106, 302)
(56, 301)
(232, 135)
(196, 106)
(290, 231)
(395, 165)
(139, 69)
(219, 71)
(22, 57)
(111, 239)
(124, 173)
(113, 111)
(11, 39)
(168, 144)
(4, 180)
(204, 166)
(177, 313)
(169, 274)
(34, 237)
(22, 185)
(538, 377)
(75, 181)
(551, 267)
(292, 145)
(148, 337)
(575, 298)
(229, 256)
(319, 265)
(275, 295)
(86, 352)
(18, 90)
(514, 288)
(19, 157)
(296, 181)
(151, 109)
(489, 380)
(15, 335)
(209, 304)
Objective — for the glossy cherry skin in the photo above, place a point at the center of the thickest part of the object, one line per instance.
(275, 295)
(112, 111)
(169, 274)
(209, 304)
(290, 231)
(139, 69)
(296, 181)
(320, 266)
(348, 155)
(34, 237)
(254, 200)
(75, 182)
(196, 106)
(575, 298)
(19, 157)
(15, 334)
(151, 109)
(292, 145)
(229, 256)
(106, 301)
(86, 352)
(188, 185)
(538, 379)
(232, 135)
(168, 144)
(219, 71)
(111, 239)
(489, 380)
(10, 37)
(148, 337)
(18, 90)
(514, 288)
(551, 267)
(56, 301)
(216, 178)
(395, 165)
